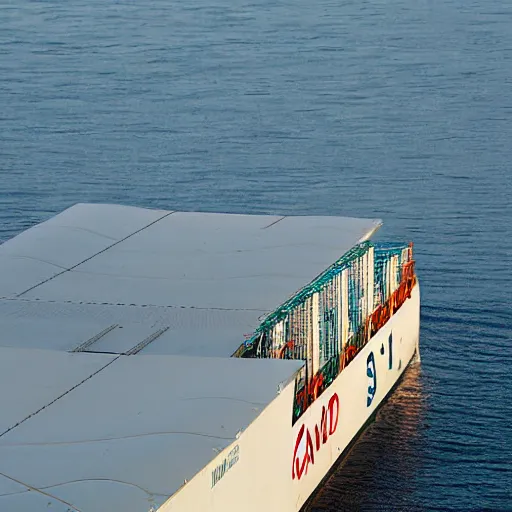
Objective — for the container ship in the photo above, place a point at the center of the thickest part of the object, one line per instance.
(193, 362)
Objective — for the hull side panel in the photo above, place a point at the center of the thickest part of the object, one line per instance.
(275, 466)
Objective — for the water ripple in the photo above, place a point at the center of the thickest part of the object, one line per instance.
(392, 109)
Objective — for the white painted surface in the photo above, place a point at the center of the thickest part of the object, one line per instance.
(61, 326)
(127, 438)
(65, 240)
(364, 299)
(394, 273)
(31, 379)
(262, 478)
(210, 278)
(315, 352)
(339, 304)
(371, 279)
(183, 261)
(344, 308)
(16, 497)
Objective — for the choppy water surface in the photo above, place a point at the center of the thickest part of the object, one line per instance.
(397, 109)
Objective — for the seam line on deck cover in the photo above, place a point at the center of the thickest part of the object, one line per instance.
(82, 480)
(96, 254)
(121, 438)
(89, 303)
(275, 222)
(59, 397)
(35, 489)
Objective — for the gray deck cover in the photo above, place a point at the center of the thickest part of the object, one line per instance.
(96, 282)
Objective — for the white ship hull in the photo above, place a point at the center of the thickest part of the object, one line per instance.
(160, 354)
(274, 466)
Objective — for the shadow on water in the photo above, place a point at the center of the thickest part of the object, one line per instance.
(380, 471)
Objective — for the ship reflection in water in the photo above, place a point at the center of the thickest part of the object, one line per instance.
(380, 472)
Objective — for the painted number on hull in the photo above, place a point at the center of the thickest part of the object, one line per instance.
(371, 369)
(390, 343)
(390, 351)
(371, 373)
(307, 444)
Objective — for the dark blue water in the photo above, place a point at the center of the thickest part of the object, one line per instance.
(400, 109)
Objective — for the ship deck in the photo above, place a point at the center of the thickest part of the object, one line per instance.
(117, 327)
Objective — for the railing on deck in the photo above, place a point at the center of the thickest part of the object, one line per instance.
(330, 320)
